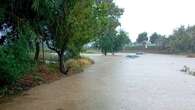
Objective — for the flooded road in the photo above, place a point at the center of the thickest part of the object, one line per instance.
(149, 82)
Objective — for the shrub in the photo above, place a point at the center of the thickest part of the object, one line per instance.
(15, 61)
(87, 60)
(77, 65)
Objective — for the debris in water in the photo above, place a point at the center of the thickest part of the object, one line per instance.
(132, 56)
(187, 70)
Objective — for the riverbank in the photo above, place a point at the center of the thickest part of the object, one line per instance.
(159, 51)
(43, 74)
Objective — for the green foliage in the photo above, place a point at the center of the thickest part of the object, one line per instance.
(113, 42)
(159, 40)
(181, 40)
(65, 25)
(84, 23)
(142, 37)
(154, 38)
(108, 15)
(2, 12)
(120, 40)
(15, 59)
(105, 44)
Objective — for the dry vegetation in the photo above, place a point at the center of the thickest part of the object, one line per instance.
(191, 55)
(77, 65)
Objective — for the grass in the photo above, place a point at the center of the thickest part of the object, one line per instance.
(78, 65)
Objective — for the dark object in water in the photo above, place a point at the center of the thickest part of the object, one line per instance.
(139, 53)
(132, 56)
(185, 69)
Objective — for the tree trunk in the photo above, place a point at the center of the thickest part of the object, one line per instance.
(105, 52)
(112, 53)
(37, 51)
(43, 51)
(61, 63)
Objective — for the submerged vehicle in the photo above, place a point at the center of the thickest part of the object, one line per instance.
(139, 53)
(132, 56)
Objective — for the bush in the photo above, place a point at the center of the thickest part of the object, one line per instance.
(77, 65)
(15, 61)
(87, 60)
(74, 66)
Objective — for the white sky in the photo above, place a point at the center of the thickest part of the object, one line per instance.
(160, 16)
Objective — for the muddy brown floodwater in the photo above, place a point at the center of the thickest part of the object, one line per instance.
(150, 82)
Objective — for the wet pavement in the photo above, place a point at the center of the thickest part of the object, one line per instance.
(149, 82)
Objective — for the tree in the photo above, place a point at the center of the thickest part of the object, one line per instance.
(16, 17)
(113, 42)
(105, 44)
(154, 37)
(59, 29)
(15, 57)
(142, 37)
(18, 12)
(71, 28)
(108, 15)
(64, 25)
(119, 41)
(85, 30)
(180, 40)
(52, 19)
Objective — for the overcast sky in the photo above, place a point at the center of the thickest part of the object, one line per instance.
(160, 16)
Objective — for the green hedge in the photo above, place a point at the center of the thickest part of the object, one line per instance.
(15, 61)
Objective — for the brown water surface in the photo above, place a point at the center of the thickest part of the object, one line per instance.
(150, 82)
